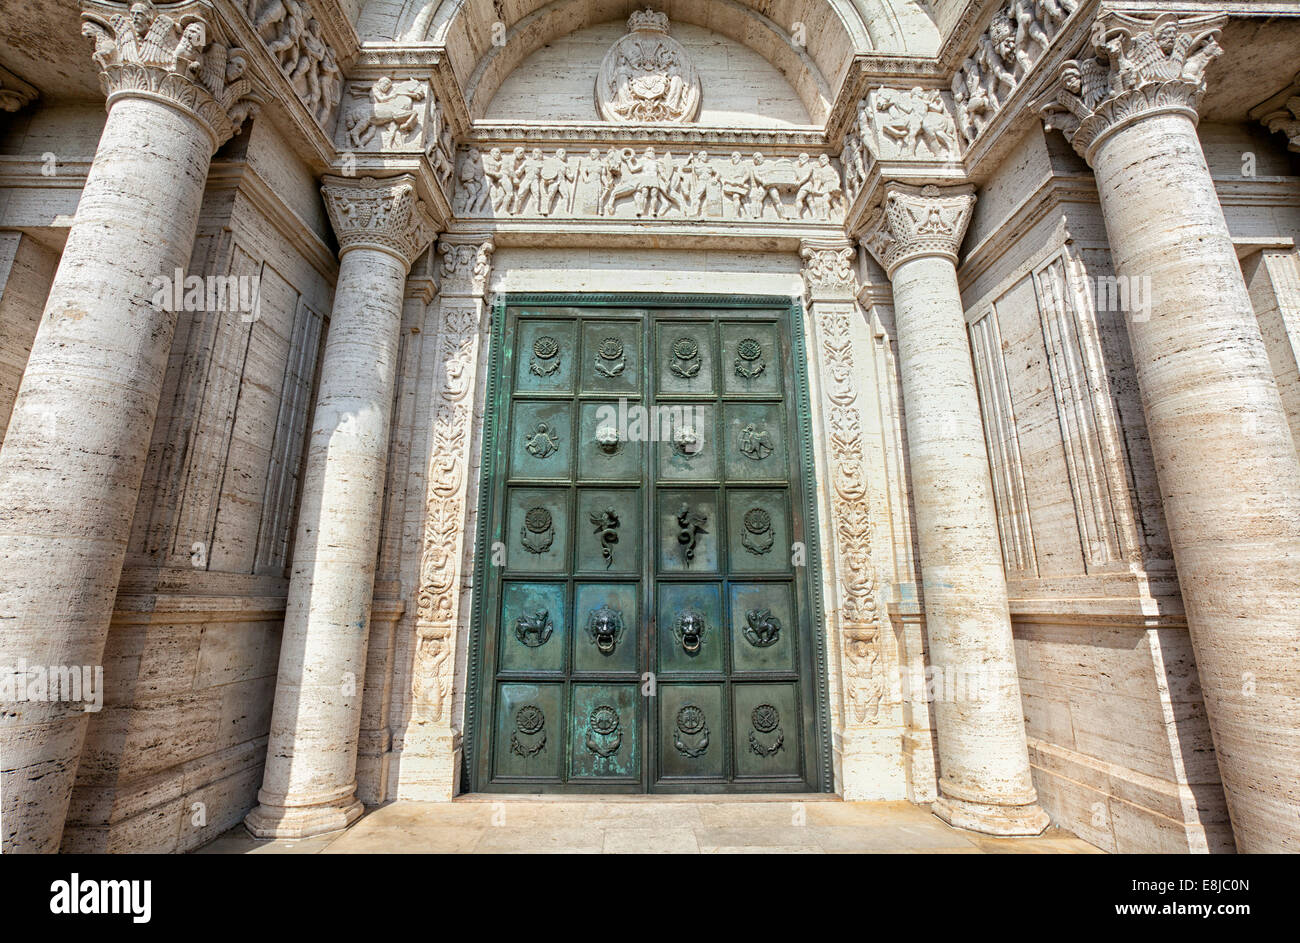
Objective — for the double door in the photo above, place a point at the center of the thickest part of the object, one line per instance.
(645, 621)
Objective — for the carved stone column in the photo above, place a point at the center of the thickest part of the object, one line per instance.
(430, 756)
(1224, 455)
(984, 781)
(310, 782)
(870, 742)
(74, 453)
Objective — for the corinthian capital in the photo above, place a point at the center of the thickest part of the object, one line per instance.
(1133, 66)
(176, 57)
(828, 269)
(386, 215)
(918, 221)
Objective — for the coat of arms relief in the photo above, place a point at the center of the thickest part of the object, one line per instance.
(647, 76)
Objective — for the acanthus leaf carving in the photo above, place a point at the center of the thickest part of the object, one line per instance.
(384, 214)
(828, 268)
(919, 221)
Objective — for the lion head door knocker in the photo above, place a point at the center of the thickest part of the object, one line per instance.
(529, 737)
(755, 443)
(686, 358)
(689, 627)
(607, 439)
(690, 526)
(605, 626)
(609, 358)
(762, 629)
(534, 630)
(546, 356)
(691, 738)
(538, 532)
(604, 732)
(606, 533)
(766, 737)
(541, 442)
(757, 535)
(749, 359)
(687, 441)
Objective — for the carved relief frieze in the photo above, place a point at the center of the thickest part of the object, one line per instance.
(394, 116)
(1016, 38)
(294, 38)
(177, 55)
(908, 124)
(647, 76)
(623, 183)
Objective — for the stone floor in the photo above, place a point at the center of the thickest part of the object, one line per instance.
(686, 825)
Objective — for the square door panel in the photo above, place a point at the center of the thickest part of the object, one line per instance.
(611, 442)
(754, 442)
(610, 534)
(758, 531)
(607, 627)
(546, 354)
(689, 627)
(537, 530)
(692, 731)
(763, 628)
(534, 626)
(685, 362)
(541, 440)
(529, 731)
(687, 445)
(605, 732)
(766, 730)
(686, 531)
(751, 358)
(611, 357)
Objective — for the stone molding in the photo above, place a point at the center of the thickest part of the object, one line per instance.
(913, 222)
(1281, 113)
(177, 57)
(828, 269)
(14, 92)
(1139, 66)
(383, 214)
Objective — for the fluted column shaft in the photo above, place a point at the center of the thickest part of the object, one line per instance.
(74, 453)
(985, 782)
(309, 785)
(1225, 458)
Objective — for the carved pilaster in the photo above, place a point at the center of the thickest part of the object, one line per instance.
(918, 221)
(1133, 66)
(14, 92)
(385, 215)
(177, 57)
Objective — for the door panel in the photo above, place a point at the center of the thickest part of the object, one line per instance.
(645, 599)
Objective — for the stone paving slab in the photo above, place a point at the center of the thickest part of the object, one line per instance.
(651, 825)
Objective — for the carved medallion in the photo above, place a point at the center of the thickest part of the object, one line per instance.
(686, 358)
(690, 526)
(766, 737)
(762, 628)
(534, 630)
(749, 362)
(647, 76)
(606, 533)
(538, 532)
(529, 737)
(541, 442)
(755, 443)
(605, 626)
(692, 735)
(757, 535)
(546, 359)
(609, 358)
(604, 731)
(689, 627)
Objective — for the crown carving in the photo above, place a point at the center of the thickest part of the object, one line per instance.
(647, 21)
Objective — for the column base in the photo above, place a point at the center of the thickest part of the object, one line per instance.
(1012, 820)
(274, 821)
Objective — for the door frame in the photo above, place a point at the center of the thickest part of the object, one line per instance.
(476, 721)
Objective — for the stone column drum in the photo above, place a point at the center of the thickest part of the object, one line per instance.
(1224, 454)
(309, 785)
(985, 781)
(74, 455)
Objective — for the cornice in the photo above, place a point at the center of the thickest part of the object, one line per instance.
(598, 233)
(604, 135)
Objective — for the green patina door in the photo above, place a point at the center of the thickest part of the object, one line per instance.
(646, 609)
